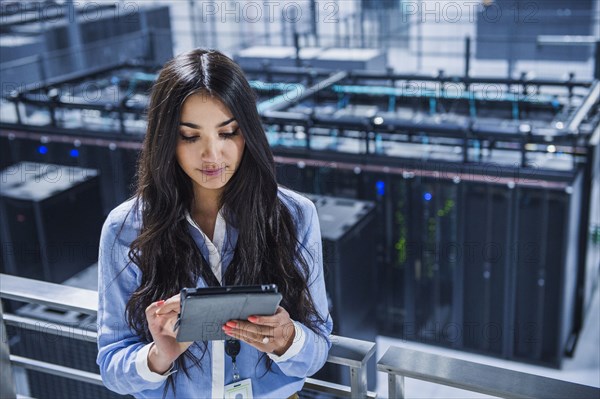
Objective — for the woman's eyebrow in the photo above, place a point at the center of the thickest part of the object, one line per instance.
(194, 126)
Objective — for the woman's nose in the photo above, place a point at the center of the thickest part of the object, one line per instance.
(210, 151)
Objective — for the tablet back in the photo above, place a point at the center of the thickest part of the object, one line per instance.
(202, 317)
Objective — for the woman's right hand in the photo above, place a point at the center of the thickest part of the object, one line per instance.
(161, 317)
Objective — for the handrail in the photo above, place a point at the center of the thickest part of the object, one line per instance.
(350, 352)
(566, 40)
(55, 369)
(334, 389)
(50, 294)
(344, 351)
(400, 362)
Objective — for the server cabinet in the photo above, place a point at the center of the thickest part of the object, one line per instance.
(432, 259)
(116, 165)
(396, 297)
(485, 258)
(347, 230)
(546, 273)
(461, 259)
(508, 29)
(51, 220)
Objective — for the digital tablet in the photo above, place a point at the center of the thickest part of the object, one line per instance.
(204, 311)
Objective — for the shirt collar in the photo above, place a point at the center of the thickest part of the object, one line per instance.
(215, 247)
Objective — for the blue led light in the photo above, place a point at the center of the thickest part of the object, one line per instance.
(42, 149)
(427, 196)
(380, 187)
(74, 153)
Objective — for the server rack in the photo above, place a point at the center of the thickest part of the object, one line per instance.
(546, 273)
(51, 220)
(348, 234)
(116, 162)
(486, 259)
(474, 265)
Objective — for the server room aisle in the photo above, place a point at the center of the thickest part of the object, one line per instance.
(583, 368)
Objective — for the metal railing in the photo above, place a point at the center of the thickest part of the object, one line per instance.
(400, 362)
(345, 351)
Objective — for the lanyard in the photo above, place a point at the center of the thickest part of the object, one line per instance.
(232, 348)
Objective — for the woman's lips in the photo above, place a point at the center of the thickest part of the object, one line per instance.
(212, 172)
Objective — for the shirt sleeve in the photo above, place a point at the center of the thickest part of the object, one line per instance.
(141, 365)
(312, 349)
(118, 345)
(294, 348)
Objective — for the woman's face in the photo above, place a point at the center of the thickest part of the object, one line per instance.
(210, 144)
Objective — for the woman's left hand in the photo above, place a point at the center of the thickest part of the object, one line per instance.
(271, 334)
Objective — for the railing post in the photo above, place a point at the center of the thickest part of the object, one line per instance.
(395, 386)
(358, 381)
(7, 384)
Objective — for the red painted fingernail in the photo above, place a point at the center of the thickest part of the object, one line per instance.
(227, 328)
(159, 303)
(231, 324)
(252, 319)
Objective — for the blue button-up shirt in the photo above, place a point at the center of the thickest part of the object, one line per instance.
(122, 355)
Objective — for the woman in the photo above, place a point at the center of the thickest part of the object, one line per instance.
(208, 211)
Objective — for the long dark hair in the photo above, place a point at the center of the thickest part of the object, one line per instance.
(268, 248)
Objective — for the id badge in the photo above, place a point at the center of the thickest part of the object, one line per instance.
(239, 390)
